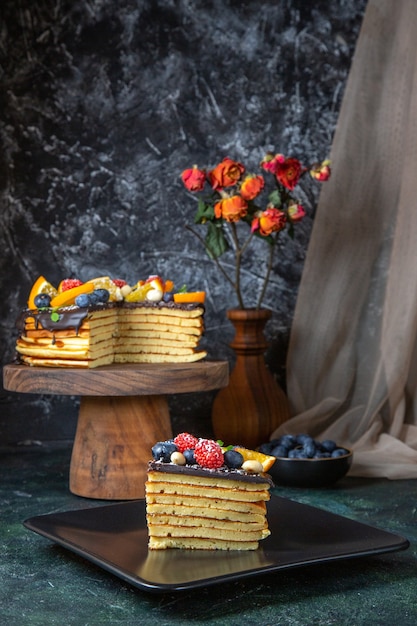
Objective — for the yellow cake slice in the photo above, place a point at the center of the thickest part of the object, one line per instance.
(201, 496)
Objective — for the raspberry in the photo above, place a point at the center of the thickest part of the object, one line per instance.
(185, 441)
(119, 282)
(209, 454)
(70, 283)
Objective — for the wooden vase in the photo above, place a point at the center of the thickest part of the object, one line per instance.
(249, 409)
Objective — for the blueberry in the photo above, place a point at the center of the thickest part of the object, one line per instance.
(83, 300)
(321, 455)
(162, 451)
(302, 439)
(233, 459)
(339, 452)
(168, 297)
(310, 449)
(94, 297)
(328, 445)
(280, 450)
(266, 448)
(189, 457)
(297, 453)
(289, 441)
(42, 300)
(103, 295)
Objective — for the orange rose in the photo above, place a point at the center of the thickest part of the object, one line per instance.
(194, 179)
(288, 171)
(251, 187)
(321, 171)
(295, 212)
(231, 209)
(269, 221)
(226, 174)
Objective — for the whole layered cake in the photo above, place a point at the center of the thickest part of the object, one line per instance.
(203, 495)
(104, 321)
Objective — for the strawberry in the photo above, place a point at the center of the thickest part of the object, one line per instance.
(69, 283)
(209, 454)
(185, 441)
(119, 282)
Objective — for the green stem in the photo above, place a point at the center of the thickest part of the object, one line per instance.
(210, 253)
(238, 254)
(268, 271)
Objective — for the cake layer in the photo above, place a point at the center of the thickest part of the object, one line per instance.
(226, 506)
(195, 507)
(203, 532)
(191, 543)
(206, 491)
(115, 332)
(182, 519)
(160, 358)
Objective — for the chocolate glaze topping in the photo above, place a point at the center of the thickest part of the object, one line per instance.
(221, 472)
(73, 316)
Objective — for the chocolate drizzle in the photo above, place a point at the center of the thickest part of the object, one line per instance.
(221, 472)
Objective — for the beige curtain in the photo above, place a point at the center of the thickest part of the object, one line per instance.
(352, 362)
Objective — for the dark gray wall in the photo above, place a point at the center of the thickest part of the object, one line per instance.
(104, 103)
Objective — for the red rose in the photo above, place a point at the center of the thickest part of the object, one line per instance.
(194, 179)
(288, 172)
(226, 174)
(231, 209)
(251, 187)
(321, 171)
(295, 212)
(269, 221)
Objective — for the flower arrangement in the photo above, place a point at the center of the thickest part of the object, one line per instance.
(231, 200)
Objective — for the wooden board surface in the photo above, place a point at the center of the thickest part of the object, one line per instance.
(118, 380)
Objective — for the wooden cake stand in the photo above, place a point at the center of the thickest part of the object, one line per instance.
(123, 413)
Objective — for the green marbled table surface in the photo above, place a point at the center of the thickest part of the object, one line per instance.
(44, 584)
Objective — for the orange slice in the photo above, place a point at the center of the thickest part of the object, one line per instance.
(190, 296)
(253, 455)
(68, 297)
(41, 285)
(169, 286)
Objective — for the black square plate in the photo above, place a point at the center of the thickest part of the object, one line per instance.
(115, 538)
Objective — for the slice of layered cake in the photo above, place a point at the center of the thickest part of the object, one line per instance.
(200, 495)
(101, 321)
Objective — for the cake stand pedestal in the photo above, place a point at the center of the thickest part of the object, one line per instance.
(123, 413)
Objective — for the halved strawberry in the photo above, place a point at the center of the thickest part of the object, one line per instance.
(69, 283)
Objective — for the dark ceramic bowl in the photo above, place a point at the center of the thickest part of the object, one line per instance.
(310, 472)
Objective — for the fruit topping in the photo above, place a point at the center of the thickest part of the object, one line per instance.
(66, 298)
(98, 296)
(162, 451)
(233, 459)
(190, 296)
(41, 285)
(105, 282)
(119, 282)
(42, 300)
(209, 454)
(189, 457)
(265, 460)
(185, 441)
(186, 449)
(68, 283)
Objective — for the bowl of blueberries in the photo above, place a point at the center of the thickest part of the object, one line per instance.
(302, 461)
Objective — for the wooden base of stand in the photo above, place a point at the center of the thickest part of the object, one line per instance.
(123, 413)
(112, 445)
